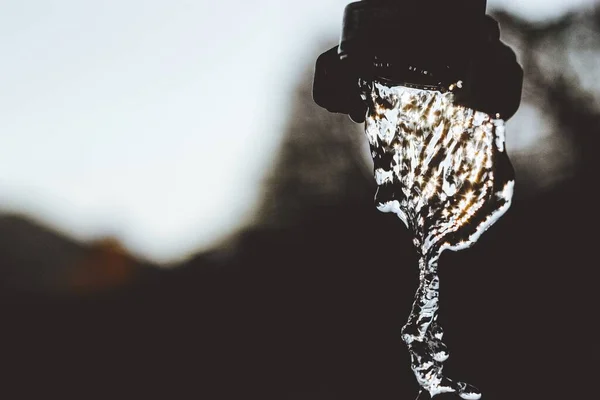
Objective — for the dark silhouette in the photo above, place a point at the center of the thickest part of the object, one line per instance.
(308, 303)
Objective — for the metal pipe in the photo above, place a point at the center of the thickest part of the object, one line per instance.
(421, 43)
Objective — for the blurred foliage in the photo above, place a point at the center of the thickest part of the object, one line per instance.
(308, 302)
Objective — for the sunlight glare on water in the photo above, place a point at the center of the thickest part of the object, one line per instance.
(443, 169)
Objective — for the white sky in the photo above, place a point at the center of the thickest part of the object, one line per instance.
(154, 120)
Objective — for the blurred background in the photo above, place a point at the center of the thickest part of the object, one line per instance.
(178, 218)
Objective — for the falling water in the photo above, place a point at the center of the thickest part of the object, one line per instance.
(442, 168)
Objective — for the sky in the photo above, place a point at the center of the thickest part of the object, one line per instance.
(155, 121)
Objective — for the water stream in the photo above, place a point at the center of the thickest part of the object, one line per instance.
(443, 169)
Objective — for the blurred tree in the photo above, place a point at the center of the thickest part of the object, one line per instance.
(311, 299)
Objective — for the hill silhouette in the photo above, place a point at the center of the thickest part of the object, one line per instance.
(308, 303)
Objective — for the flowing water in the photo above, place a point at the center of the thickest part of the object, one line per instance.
(443, 169)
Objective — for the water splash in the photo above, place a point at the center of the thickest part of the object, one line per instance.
(443, 169)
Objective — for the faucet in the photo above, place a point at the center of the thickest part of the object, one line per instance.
(434, 85)
(420, 43)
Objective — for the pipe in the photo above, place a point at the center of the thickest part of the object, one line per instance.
(429, 44)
